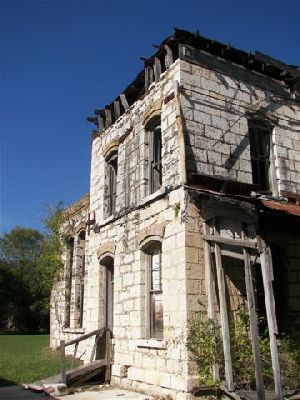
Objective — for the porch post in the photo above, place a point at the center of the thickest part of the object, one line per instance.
(253, 326)
(224, 316)
(210, 290)
(267, 276)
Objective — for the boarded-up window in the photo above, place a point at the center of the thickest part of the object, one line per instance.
(155, 292)
(155, 168)
(260, 149)
(111, 195)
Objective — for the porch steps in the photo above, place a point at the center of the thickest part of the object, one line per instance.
(77, 376)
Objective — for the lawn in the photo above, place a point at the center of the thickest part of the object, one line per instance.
(27, 358)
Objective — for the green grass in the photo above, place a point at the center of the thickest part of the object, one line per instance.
(27, 358)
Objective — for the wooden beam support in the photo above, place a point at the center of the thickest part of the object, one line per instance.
(117, 109)
(210, 290)
(108, 118)
(100, 124)
(62, 362)
(260, 390)
(83, 337)
(157, 69)
(95, 346)
(124, 101)
(107, 356)
(224, 316)
(146, 78)
(267, 274)
(231, 242)
(75, 353)
(169, 57)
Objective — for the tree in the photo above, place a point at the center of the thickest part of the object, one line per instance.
(29, 263)
(23, 294)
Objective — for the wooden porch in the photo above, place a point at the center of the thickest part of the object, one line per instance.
(83, 373)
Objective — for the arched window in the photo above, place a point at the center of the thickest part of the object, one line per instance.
(155, 293)
(68, 281)
(155, 162)
(111, 187)
(80, 273)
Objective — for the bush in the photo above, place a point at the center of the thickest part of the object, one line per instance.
(205, 343)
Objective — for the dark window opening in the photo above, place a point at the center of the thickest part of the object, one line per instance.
(81, 277)
(68, 280)
(155, 178)
(260, 149)
(112, 171)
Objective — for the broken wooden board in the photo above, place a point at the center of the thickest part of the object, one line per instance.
(84, 372)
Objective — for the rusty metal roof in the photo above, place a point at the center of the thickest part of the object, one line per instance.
(292, 209)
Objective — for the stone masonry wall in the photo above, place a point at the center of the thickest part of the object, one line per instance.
(129, 130)
(74, 223)
(215, 107)
(153, 363)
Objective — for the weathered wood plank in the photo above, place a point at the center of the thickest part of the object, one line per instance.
(94, 347)
(147, 82)
(253, 326)
(107, 356)
(83, 337)
(224, 316)
(75, 353)
(117, 110)
(108, 118)
(157, 69)
(62, 362)
(230, 242)
(266, 266)
(79, 374)
(210, 289)
(124, 101)
(169, 57)
(100, 124)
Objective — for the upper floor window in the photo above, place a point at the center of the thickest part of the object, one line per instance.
(155, 165)
(260, 150)
(111, 187)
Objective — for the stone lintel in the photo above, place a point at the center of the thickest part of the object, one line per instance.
(81, 227)
(106, 250)
(152, 111)
(110, 148)
(150, 235)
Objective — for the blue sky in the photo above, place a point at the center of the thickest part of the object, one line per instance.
(59, 60)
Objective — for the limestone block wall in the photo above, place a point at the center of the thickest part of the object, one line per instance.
(216, 100)
(74, 224)
(129, 131)
(139, 361)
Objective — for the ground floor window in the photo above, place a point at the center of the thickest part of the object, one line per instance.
(155, 295)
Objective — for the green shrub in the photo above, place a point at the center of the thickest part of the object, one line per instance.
(205, 343)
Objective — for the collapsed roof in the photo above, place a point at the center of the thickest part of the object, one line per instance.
(168, 52)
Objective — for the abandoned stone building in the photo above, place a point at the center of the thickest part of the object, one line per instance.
(194, 199)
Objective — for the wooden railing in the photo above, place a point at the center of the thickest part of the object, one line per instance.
(99, 334)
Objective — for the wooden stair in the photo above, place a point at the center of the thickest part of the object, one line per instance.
(83, 373)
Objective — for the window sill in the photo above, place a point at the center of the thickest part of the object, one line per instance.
(153, 195)
(109, 218)
(73, 330)
(151, 344)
